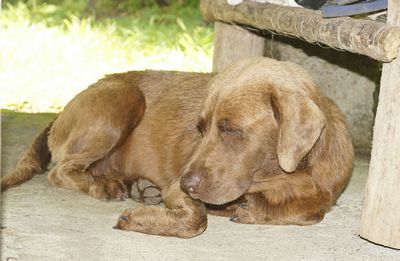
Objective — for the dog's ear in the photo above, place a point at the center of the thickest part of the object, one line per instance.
(300, 122)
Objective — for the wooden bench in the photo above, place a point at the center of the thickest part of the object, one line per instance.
(380, 221)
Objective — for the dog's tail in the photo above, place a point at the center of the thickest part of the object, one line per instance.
(34, 161)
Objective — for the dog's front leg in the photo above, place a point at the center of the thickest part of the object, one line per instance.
(182, 216)
(283, 199)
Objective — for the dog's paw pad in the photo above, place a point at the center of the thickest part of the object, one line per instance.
(144, 191)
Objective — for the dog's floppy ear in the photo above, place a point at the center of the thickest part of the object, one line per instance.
(300, 123)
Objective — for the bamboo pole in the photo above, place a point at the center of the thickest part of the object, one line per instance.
(374, 39)
(380, 221)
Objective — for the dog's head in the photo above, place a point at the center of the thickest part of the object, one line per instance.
(257, 112)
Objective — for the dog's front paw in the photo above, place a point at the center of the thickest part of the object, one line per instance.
(109, 189)
(134, 219)
(164, 222)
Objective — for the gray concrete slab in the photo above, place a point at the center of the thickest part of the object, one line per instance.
(40, 222)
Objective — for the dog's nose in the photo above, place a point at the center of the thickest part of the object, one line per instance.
(191, 181)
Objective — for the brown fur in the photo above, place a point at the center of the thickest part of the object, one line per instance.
(34, 161)
(258, 139)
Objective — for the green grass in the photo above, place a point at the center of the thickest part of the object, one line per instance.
(49, 53)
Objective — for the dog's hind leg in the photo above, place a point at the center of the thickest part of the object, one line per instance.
(285, 199)
(100, 187)
(86, 136)
(75, 172)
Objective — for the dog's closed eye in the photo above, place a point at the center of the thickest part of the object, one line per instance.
(227, 128)
(201, 127)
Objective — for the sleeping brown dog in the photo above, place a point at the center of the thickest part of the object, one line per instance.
(258, 139)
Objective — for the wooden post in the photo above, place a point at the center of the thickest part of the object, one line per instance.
(380, 221)
(232, 43)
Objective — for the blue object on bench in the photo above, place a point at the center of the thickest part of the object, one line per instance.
(311, 4)
(346, 2)
(353, 9)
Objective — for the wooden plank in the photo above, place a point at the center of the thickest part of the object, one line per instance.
(371, 38)
(380, 221)
(232, 43)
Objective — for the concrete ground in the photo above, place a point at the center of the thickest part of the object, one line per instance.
(40, 222)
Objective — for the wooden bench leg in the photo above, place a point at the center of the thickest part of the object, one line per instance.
(232, 43)
(380, 221)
